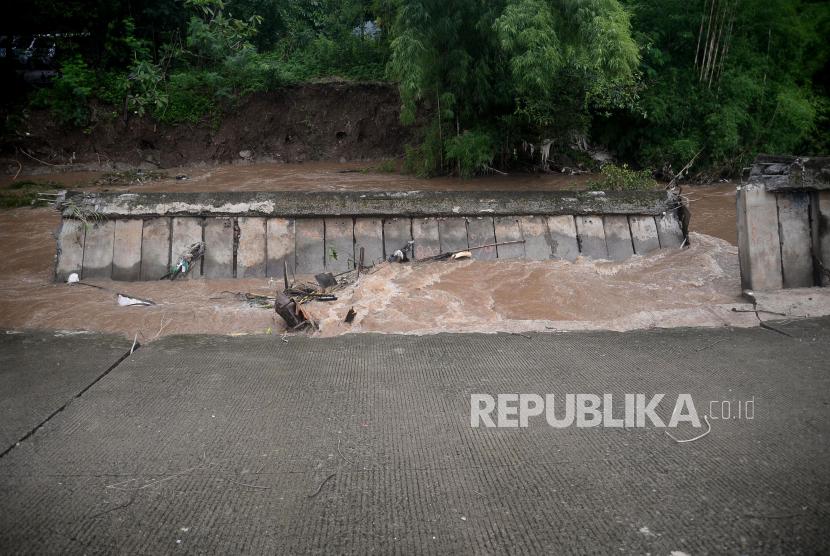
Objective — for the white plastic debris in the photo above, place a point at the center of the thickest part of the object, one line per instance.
(73, 278)
(463, 255)
(125, 301)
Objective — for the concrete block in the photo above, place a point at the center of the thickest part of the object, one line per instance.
(279, 238)
(535, 233)
(618, 237)
(310, 239)
(71, 239)
(98, 251)
(186, 231)
(507, 229)
(759, 248)
(368, 234)
(427, 239)
(563, 239)
(218, 248)
(644, 234)
(452, 233)
(669, 231)
(591, 234)
(396, 232)
(794, 234)
(251, 249)
(155, 248)
(820, 206)
(126, 252)
(340, 234)
(481, 231)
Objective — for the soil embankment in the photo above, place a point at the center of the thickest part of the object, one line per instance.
(311, 122)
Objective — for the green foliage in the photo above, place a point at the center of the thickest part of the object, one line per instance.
(472, 151)
(25, 193)
(621, 178)
(764, 94)
(527, 68)
(67, 99)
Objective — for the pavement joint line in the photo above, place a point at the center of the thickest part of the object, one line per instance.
(72, 399)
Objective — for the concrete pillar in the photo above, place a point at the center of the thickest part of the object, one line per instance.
(618, 237)
(535, 233)
(427, 239)
(821, 233)
(507, 229)
(310, 246)
(250, 252)
(71, 239)
(368, 234)
(155, 248)
(452, 233)
(218, 248)
(591, 237)
(396, 232)
(340, 235)
(668, 230)
(279, 238)
(126, 252)
(563, 240)
(481, 231)
(644, 234)
(98, 251)
(794, 234)
(758, 242)
(187, 230)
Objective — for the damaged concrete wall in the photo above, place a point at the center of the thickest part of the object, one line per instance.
(257, 235)
(782, 215)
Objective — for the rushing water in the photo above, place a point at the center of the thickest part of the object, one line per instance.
(668, 288)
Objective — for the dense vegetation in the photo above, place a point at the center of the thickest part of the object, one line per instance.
(659, 82)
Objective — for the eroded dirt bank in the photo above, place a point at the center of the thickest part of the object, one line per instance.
(324, 121)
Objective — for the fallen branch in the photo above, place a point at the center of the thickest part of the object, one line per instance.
(42, 162)
(705, 418)
(18, 170)
(686, 167)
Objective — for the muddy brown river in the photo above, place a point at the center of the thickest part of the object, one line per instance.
(690, 287)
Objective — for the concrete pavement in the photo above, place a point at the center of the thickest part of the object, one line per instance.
(217, 445)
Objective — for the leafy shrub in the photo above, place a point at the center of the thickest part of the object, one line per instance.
(67, 99)
(623, 179)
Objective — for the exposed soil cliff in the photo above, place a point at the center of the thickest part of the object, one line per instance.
(323, 121)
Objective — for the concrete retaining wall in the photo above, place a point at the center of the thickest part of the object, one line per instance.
(134, 243)
(783, 215)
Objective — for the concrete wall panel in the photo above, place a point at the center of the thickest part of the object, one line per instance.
(396, 232)
(481, 231)
(535, 233)
(591, 237)
(218, 248)
(644, 234)
(618, 237)
(186, 232)
(310, 245)
(453, 234)
(507, 229)
(126, 252)
(563, 239)
(668, 230)
(155, 248)
(71, 239)
(280, 238)
(98, 251)
(427, 239)
(340, 235)
(794, 234)
(368, 234)
(758, 240)
(251, 250)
